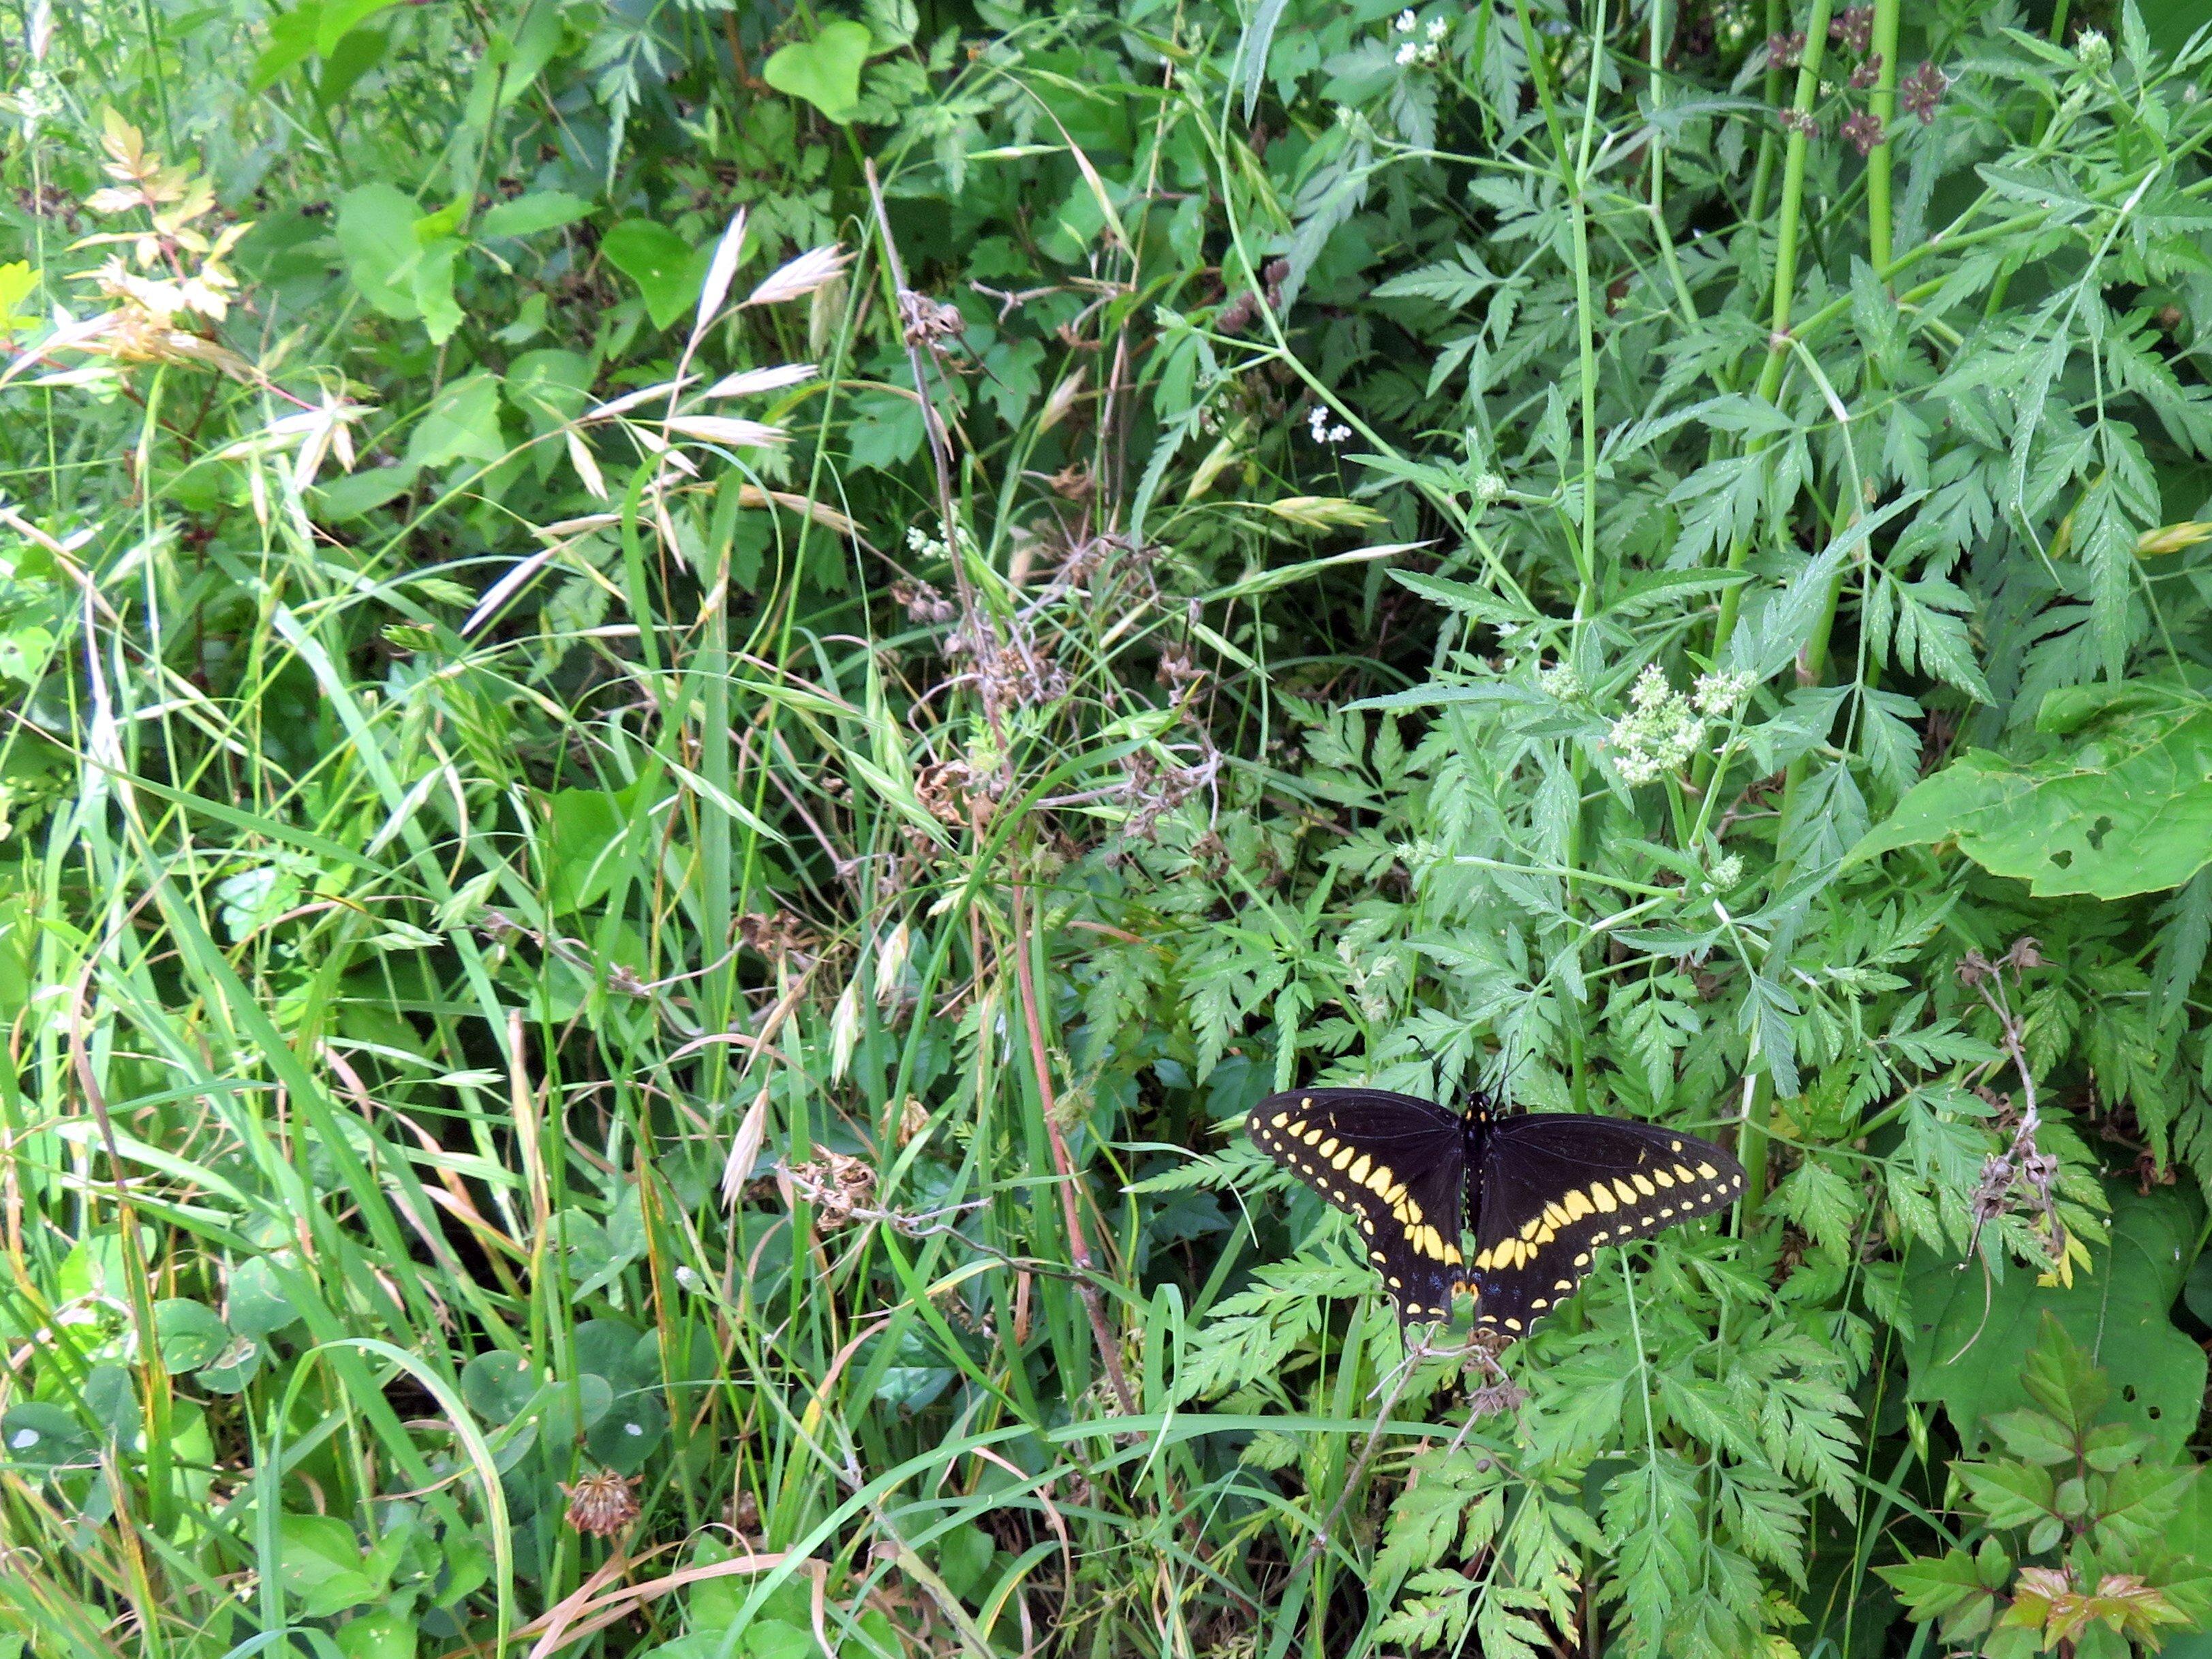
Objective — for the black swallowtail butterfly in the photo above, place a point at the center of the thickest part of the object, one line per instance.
(1541, 1192)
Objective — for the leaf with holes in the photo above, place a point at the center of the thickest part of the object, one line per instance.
(1970, 1340)
(2119, 801)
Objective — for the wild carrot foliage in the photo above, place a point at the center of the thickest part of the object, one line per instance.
(695, 694)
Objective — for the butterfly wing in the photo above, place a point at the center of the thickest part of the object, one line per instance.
(1557, 1187)
(1397, 1164)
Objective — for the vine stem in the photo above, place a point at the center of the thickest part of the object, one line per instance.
(1079, 1243)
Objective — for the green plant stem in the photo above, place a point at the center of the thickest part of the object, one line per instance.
(1573, 170)
(1573, 173)
(1785, 285)
(1762, 177)
(1883, 104)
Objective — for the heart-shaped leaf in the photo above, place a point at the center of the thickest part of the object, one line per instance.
(825, 71)
(664, 267)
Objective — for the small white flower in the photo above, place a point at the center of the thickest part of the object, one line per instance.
(1717, 695)
(1438, 29)
(1659, 735)
(1559, 680)
(1405, 23)
(1323, 432)
(1407, 53)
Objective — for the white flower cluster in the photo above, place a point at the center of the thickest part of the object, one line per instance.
(1427, 50)
(1660, 732)
(1728, 872)
(1715, 696)
(1323, 432)
(925, 546)
(1488, 487)
(1559, 680)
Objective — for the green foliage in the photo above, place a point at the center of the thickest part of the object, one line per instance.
(696, 694)
(2089, 1534)
(2123, 808)
(1972, 1339)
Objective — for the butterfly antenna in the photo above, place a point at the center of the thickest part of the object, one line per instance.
(1504, 1092)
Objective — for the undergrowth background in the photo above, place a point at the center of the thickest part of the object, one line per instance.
(696, 692)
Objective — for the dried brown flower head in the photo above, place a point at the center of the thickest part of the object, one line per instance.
(945, 788)
(601, 1504)
(837, 1185)
(777, 935)
(929, 322)
(922, 602)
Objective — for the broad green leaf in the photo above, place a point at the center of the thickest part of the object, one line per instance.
(191, 1333)
(383, 1634)
(433, 288)
(550, 386)
(349, 494)
(665, 268)
(826, 70)
(375, 231)
(963, 1558)
(1936, 1587)
(585, 843)
(357, 53)
(257, 1306)
(291, 42)
(462, 423)
(38, 1435)
(320, 1563)
(497, 1386)
(17, 281)
(1970, 1339)
(2008, 1494)
(525, 215)
(2120, 804)
(340, 16)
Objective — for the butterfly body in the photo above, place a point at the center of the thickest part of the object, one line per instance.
(1539, 1192)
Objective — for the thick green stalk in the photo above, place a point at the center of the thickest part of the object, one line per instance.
(1762, 178)
(1883, 104)
(1785, 282)
(1573, 172)
(1752, 1142)
(1813, 661)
